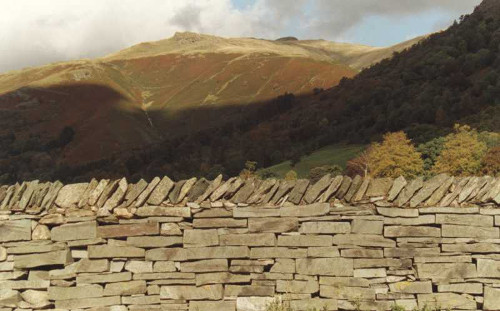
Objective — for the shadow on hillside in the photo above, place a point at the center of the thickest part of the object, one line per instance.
(135, 144)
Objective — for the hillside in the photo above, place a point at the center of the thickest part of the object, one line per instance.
(449, 77)
(78, 113)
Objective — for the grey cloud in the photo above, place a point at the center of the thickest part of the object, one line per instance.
(187, 18)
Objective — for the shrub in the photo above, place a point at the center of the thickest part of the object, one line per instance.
(462, 153)
(291, 175)
(395, 156)
(491, 162)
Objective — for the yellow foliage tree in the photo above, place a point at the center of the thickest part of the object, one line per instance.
(462, 153)
(291, 175)
(393, 157)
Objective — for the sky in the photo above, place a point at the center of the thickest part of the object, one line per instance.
(37, 32)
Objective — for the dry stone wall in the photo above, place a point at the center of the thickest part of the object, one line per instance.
(199, 245)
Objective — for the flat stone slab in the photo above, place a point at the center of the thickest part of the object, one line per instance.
(126, 230)
(44, 259)
(15, 230)
(206, 292)
(76, 231)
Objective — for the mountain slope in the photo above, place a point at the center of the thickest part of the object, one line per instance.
(156, 91)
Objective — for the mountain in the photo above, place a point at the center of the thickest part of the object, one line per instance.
(75, 114)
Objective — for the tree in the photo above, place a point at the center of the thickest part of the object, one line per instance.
(395, 156)
(462, 153)
(430, 151)
(249, 169)
(291, 175)
(316, 173)
(491, 162)
(358, 165)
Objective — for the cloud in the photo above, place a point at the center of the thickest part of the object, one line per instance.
(36, 32)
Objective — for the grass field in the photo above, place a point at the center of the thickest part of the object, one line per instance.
(329, 155)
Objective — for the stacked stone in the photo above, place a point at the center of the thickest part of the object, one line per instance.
(195, 245)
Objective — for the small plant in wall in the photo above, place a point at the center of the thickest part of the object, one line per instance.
(279, 305)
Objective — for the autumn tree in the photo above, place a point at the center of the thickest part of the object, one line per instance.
(358, 165)
(462, 153)
(291, 175)
(491, 162)
(395, 156)
(249, 170)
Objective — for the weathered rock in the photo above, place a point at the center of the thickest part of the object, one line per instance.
(246, 191)
(51, 195)
(424, 287)
(355, 184)
(15, 230)
(363, 240)
(325, 266)
(41, 232)
(200, 238)
(70, 195)
(161, 191)
(252, 303)
(219, 223)
(470, 232)
(18, 193)
(212, 306)
(28, 193)
(207, 292)
(125, 288)
(79, 292)
(88, 302)
(248, 290)
(491, 298)
(255, 212)
(284, 188)
(76, 231)
(221, 278)
(84, 199)
(298, 191)
(297, 287)
(323, 227)
(117, 196)
(262, 190)
(304, 240)
(409, 190)
(9, 298)
(460, 184)
(344, 187)
(397, 212)
(428, 189)
(210, 265)
(316, 209)
(446, 301)
(273, 224)
(382, 187)
(348, 293)
(332, 188)
(315, 191)
(277, 252)
(197, 189)
(440, 192)
(466, 220)
(411, 231)
(45, 259)
(360, 193)
(149, 211)
(144, 195)
(93, 278)
(36, 299)
(134, 191)
(109, 251)
(464, 288)
(314, 304)
(154, 241)
(361, 226)
(446, 271)
(126, 230)
(248, 239)
(219, 192)
(5, 203)
(97, 192)
(214, 184)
